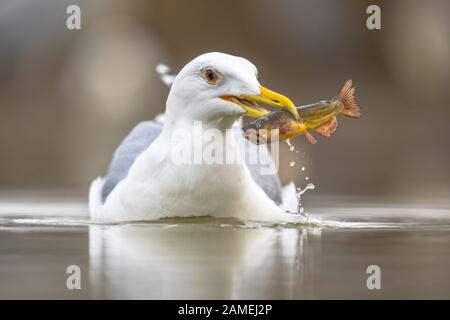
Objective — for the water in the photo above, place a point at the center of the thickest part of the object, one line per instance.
(291, 147)
(299, 194)
(300, 191)
(226, 258)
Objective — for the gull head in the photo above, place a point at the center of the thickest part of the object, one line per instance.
(216, 85)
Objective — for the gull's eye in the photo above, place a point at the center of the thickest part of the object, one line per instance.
(211, 76)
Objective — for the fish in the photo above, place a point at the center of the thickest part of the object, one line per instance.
(320, 117)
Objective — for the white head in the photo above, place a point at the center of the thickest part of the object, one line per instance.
(217, 86)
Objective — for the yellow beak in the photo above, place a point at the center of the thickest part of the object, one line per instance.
(267, 97)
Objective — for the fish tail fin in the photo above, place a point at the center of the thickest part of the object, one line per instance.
(347, 97)
(328, 128)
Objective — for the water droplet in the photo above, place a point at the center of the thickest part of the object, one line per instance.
(291, 147)
(309, 186)
(292, 163)
(307, 178)
(303, 168)
(301, 191)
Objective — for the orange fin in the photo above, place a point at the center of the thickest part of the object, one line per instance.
(347, 97)
(310, 137)
(328, 128)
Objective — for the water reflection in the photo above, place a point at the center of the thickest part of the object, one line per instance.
(223, 258)
(180, 261)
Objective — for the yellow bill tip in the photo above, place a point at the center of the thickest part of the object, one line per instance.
(276, 99)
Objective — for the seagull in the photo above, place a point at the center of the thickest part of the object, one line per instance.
(145, 181)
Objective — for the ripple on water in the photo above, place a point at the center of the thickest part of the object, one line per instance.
(75, 214)
(325, 218)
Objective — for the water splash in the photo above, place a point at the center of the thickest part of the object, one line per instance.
(291, 147)
(300, 192)
(309, 186)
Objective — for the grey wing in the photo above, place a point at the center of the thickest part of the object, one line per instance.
(261, 166)
(131, 147)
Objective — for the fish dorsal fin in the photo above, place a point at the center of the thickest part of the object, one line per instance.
(328, 128)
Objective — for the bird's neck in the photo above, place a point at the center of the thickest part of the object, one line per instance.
(211, 141)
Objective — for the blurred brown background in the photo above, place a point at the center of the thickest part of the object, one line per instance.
(67, 98)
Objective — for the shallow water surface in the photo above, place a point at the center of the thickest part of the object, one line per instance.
(224, 258)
